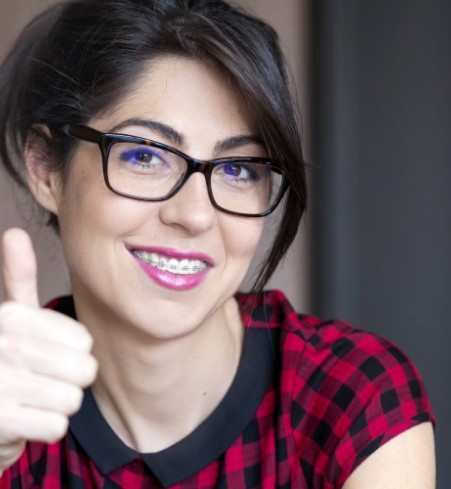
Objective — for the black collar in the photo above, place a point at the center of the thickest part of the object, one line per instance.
(206, 443)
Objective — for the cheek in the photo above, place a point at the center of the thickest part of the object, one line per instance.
(95, 215)
(241, 237)
(86, 204)
(89, 214)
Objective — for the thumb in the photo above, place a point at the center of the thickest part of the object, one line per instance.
(20, 276)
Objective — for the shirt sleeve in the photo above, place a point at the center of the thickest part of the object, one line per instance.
(392, 399)
(358, 392)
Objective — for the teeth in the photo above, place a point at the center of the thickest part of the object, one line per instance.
(172, 265)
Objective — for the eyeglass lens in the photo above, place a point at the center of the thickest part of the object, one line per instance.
(149, 172)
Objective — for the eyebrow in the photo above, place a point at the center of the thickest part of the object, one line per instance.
(164, 130)
(237, 141)
(178, 140)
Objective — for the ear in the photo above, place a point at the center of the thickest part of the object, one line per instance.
(44, 182)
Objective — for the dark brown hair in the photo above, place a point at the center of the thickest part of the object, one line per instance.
(76, 60)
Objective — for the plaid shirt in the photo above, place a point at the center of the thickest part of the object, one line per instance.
(310, 401)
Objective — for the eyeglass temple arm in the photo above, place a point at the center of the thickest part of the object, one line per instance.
(80, 131)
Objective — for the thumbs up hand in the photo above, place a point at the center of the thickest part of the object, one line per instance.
(45, 358)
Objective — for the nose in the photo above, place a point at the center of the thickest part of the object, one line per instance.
(190, 207)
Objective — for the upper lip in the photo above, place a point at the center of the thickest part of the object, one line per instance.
(172, 253)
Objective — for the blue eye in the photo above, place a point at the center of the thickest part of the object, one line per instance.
(239, 172)
(232, 170)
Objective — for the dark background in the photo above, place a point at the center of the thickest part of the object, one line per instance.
(381, 241)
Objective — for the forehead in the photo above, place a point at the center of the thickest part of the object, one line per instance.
(183, 92)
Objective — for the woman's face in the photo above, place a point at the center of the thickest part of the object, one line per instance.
(108, 240)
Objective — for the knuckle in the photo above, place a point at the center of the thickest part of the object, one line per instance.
(91, 368)
(71, 400)
(85, 371)
(86, 339)
(79, 335)
(89, 341)
(57, 428)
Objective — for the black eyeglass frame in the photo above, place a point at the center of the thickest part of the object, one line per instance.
(106, 140)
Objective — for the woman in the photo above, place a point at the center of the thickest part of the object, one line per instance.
(158, 135)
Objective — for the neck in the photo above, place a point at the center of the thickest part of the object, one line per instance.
(153, 392)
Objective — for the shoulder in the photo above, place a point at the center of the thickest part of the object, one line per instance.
(345, 391)
(331, 355)
(336, 353)
(311, 344)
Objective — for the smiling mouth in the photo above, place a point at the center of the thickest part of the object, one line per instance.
(171, 265)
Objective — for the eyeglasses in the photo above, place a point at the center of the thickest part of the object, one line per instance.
(142, 169)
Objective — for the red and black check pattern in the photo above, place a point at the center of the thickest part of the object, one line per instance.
(310, 401)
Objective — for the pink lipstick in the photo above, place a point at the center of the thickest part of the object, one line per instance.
(172, 268)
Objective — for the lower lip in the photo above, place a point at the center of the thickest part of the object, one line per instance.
(172, 280)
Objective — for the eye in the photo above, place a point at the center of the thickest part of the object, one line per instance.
(139, 159)
(234, 170)
(142, 156)
(239, 173)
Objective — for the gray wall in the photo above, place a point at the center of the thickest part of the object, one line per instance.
(382, 200)
(15, 208)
